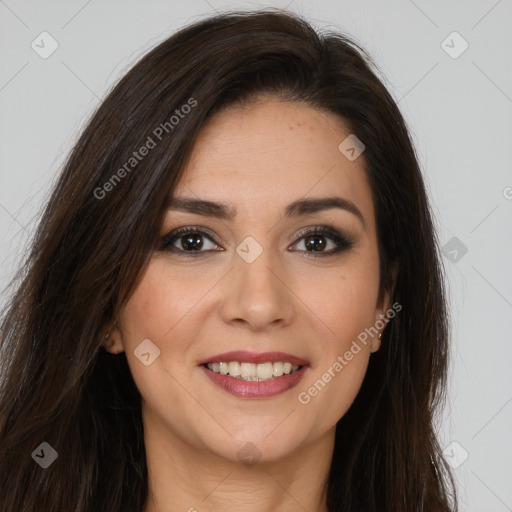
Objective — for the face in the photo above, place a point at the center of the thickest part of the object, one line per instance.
(262, 280)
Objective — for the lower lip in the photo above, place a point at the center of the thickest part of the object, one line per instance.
(255, 389)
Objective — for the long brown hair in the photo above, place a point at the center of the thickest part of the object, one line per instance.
(101, 225)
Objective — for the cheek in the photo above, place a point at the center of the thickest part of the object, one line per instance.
(335, 381)
(345, 304)
(336, 388)
(155, 312)
(161, 309)
(159, 304)
(343, 301)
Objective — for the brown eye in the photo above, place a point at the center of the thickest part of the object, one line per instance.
(315, 241)
(190, 241)
(194, 241)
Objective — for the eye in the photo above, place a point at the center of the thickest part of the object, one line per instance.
(314, 241)
(188, 240)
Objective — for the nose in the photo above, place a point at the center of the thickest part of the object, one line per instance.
(257, 294)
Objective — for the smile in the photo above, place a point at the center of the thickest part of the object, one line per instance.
(254, 375)
(254, 372)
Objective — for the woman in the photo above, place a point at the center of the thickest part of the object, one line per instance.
(234, 299)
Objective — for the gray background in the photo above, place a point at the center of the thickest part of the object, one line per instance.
(458, 109)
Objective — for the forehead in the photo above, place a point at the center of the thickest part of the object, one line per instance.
(271, 153)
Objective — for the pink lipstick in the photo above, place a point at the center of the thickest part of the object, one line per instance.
(254, 375)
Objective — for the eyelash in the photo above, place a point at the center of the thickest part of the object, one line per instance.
(325, 231)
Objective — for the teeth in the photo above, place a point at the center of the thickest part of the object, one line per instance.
(253, 372)
(224, 368)
(265, 371)
(234, 368)
(277, 369)
(247, 370)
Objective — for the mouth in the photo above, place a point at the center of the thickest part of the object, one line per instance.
(251, 375)
(253, 372)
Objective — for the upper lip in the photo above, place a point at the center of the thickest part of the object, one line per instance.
(244, 356)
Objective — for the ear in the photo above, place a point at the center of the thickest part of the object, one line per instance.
(111, 338)
(383, 306)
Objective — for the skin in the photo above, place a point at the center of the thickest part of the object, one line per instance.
(259, 158)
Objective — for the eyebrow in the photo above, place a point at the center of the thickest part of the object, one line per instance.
(295, 209)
